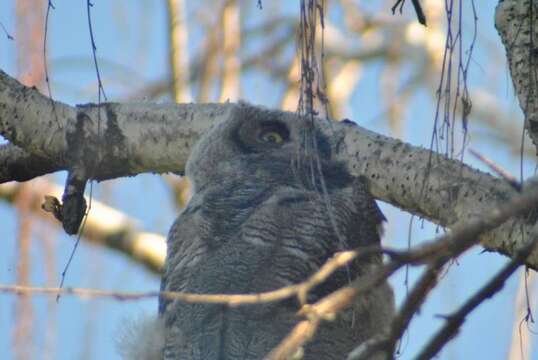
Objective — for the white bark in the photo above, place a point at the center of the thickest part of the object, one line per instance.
(453, 192)
(136, 138)
(122, 139)
(517, 24)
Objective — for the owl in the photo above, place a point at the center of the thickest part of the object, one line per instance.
(270, 206)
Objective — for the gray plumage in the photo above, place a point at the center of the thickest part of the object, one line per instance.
(141, 338)
(259, 220)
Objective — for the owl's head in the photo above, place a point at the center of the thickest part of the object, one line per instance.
(256, 143)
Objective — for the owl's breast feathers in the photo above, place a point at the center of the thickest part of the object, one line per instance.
(240, 237)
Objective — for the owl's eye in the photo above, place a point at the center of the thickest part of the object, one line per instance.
(271, 137)
(262, 136)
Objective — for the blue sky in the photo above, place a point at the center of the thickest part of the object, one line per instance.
(131, 41)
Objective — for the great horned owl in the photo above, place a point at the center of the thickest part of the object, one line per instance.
(260, 219)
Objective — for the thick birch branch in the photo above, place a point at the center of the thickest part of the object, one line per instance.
(517, 24)
(19, 165)
(113, 140)
(136, 138)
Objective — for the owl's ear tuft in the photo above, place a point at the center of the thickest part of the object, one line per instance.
(141, 338)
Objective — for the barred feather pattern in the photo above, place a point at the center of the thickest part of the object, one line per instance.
(255, 223)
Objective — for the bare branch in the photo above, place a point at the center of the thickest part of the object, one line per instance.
(179, 55)
(18, 165)
(497, 169)
(517, 24)
(135, 138)
(140, 138)
(455, 320)
(231, 32)
(300, 290)
(105, 226)
(436, 253)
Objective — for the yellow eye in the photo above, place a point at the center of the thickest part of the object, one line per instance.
(271, 137)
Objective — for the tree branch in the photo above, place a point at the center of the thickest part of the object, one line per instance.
(455, 320)
(437, 254)
(447, 192)
(134, 138)
(517, 24)
(137, 138)
(18, 165)
(104, 226)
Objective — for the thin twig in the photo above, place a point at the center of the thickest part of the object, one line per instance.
(401, 321)
(497, 169)
(50, 6)
(327, 307)
(77, 178)
(436, 253)
(8, 35)
(418, 10)
(455, 320)
(300, 290)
